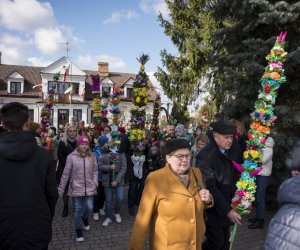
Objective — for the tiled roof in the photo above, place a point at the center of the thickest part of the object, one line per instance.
(32, 77)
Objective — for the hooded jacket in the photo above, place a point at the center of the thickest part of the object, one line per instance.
(284, 228)
(28, 192)
(82, 173)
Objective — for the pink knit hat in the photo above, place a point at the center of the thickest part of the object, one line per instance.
(82, 140)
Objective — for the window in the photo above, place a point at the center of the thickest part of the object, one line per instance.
(77, 115)
(75, 90)
(31, 114)
(129, 93)
(60, 88)
(108, 89)
(15, 88)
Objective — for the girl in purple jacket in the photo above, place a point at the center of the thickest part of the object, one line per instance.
(82, 171)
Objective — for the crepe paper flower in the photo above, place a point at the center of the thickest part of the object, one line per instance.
(95, 83)
(263, 119)
(250, 165)
(240, 192)
(137, 133)
(115, 112)
(241, 184)
(48, 107)
(245, 175)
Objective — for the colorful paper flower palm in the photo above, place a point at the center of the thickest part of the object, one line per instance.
(115, 112)
(262, 120)
(96, 95)
(155, 124)
(138, 116)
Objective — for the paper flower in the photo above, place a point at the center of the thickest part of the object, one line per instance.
(262, 119)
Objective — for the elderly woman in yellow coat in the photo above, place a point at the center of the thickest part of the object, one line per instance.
(172, 204)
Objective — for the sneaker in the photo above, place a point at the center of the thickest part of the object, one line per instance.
(106, 222)
(96, 216)
(79, 236)
(118, 218)
(86, 225)
(102, 212)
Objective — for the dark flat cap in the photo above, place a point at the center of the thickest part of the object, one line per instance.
(224, 127)
(175, 144)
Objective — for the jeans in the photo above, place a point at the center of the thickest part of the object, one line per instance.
(119, 197)
(135, 191)
(83, 207)
(262, 184)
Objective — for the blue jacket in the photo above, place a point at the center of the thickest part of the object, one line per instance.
(284, 228)
(97, 150)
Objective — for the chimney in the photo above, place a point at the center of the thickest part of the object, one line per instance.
(0, 58)
(103, 69)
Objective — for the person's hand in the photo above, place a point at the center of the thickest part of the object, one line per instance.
(295, 173)
(113, 183)
(234, 217)
(205, 196)
(113, 166)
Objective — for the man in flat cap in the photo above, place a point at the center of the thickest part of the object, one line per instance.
(219, 176)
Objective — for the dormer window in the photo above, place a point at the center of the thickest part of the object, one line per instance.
(129, 93)
(15, 83)
(15, 87)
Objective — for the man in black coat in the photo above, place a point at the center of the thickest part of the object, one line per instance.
(28, 189)
(219, 176)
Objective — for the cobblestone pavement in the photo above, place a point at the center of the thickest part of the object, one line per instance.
(116, 236)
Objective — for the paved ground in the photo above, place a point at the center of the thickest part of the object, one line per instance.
(116, 236)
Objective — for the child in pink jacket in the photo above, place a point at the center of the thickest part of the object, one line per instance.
(82, 171)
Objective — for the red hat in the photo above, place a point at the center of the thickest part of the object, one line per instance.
(82, 140)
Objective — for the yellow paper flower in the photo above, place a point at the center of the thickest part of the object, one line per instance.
(242, 183)
(255, 154)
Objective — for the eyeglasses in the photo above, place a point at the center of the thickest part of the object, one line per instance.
(181, 157)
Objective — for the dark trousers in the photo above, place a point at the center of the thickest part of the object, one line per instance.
(99, 198)
(135, 191)
(217, 238)
(262, 184)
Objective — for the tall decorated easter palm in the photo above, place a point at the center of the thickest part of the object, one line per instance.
(155, 122)
(263, 119)
(138, 133)
(115, 113)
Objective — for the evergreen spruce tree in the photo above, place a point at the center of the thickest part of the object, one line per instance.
(249, 29)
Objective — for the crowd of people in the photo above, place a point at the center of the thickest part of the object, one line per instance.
(184, 193)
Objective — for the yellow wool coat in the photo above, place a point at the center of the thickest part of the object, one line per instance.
(172, 213)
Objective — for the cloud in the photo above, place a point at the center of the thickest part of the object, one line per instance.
(155, 6)
(39, 61)
(13, 49)
(25, 16)
(91, 62)
(117, 16)
(33, 22)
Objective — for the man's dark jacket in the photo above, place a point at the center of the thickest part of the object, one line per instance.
(219, 177)
(28, 193)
